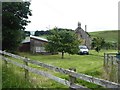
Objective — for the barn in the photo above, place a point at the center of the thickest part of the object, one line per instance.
(33, 44)
(37, 44)
(25, 45)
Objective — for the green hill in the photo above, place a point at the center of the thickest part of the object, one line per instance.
(110, 36)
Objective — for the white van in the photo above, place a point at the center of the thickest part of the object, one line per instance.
(83, 50)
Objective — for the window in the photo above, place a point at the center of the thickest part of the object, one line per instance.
(40, 49)
(37, 49)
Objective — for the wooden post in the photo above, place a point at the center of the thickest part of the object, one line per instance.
(119, 71)
(107, 64)
(112, 74)
(107, 59)
(104, 60)
(5, 62)
(71, 78)
(26, 71)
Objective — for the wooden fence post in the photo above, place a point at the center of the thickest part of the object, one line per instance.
(26, 71)
(4, 60)
(119, 72)
(104, 60)
(71, 78)
(112, 77)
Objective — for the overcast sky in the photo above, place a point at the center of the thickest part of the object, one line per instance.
(96, 14)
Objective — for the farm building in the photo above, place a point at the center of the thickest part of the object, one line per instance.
(25, 45)
(83, 35)
(37, 44)
(33, 44)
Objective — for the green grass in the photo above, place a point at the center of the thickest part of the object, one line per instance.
(43, 36)
(83, 63)
(110, 36)
(13, 77)
(88, 64)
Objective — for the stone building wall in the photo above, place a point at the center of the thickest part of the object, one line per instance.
(84, 36)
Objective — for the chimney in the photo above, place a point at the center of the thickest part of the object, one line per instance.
(79, 24)
(86, 28)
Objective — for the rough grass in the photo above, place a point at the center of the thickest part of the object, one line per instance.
(110, 36)
(92, 64)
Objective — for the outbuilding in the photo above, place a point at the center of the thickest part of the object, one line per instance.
(33, 44)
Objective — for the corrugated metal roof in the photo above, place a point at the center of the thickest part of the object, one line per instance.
(39, 38)
(27, 39)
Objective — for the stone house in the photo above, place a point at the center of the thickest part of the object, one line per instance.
(83, 36)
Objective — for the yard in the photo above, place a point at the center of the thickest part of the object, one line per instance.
(88, 64)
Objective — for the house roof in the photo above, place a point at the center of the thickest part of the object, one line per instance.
(39, 38)
(79, 29)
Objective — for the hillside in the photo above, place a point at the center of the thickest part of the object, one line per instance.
(110, 36)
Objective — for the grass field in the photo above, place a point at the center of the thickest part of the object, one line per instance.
(110, 36)
(43, 36)
(88, 64)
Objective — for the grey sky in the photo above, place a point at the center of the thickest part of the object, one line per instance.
(96, 14)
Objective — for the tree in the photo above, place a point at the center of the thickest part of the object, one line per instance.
(36, 33)
(107, 45)
(27, 33)
(98, 43)
(14, 20)
(62, 41)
